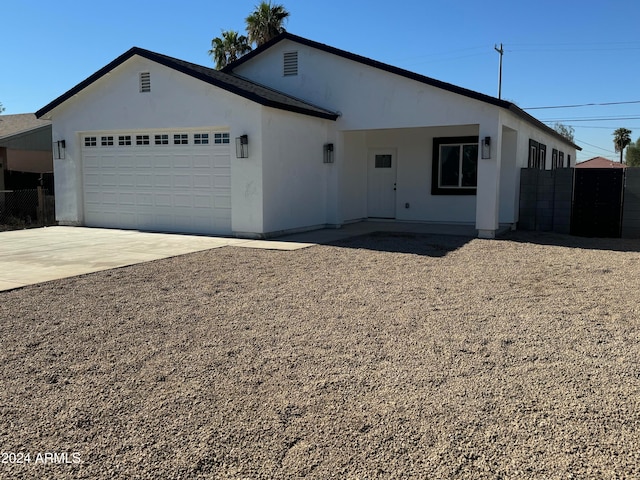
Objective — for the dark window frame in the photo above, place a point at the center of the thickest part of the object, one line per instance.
(537, 155)
(436, 189)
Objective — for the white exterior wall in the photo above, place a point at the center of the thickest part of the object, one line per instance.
(366, 97)
(114, 103)
(296, 182)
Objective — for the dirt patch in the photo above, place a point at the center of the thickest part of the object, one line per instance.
(380, 357)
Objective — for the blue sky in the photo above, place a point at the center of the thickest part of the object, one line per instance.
(561, 52)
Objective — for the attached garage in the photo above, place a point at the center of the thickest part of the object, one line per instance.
(176, 181)
(154, 143)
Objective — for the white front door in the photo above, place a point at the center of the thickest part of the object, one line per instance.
(382, 183)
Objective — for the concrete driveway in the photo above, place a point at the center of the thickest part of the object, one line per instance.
(42, 254)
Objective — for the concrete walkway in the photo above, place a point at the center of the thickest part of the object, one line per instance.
(38, 255)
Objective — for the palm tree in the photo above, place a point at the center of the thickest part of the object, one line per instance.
(228, 48)
(266, 22)
(621, 138)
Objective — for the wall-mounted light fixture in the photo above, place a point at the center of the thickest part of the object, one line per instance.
(328, 153)
(59, 149)
(486, 148)
(242, 146)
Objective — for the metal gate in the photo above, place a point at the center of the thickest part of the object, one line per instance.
(597, 202)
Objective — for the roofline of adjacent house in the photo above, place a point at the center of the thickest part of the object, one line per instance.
(404, 73)
(25, 131)
(176, 64)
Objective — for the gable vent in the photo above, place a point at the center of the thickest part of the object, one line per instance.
(145, 82)
(290, 63)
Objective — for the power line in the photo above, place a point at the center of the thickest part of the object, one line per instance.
(583, 105)
(595, 146)
(590, 119)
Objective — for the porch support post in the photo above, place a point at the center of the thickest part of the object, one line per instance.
(488, 190)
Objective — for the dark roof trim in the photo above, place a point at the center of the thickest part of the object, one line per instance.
(404, 73)
(242, 87)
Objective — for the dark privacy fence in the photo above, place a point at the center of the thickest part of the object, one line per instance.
(581, 201)
(26, 208)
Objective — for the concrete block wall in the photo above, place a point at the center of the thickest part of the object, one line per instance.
(631, 205)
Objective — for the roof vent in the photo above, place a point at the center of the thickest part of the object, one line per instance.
(290, 64)
(145, 82)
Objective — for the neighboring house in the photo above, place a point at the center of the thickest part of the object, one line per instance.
(600, 162)
(294, 136)
(25, 151)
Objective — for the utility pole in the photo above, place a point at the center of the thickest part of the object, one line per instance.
(501, 52)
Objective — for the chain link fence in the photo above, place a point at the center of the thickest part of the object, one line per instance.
(26, 208)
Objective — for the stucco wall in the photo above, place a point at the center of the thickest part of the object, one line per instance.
(366, 97)
(295, 179)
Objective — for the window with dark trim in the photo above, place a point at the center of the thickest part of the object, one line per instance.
(542, 156)
(533, 154)
(554, 159)
(455, 166)
(537, 155)
(561, 160)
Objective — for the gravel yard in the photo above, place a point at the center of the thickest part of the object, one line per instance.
(385, 356)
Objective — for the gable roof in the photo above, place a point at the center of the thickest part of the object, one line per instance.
(600, 162)
(239, 86)
(21, 123)
(403, 73)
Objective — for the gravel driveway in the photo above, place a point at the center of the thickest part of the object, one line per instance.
(380, 357)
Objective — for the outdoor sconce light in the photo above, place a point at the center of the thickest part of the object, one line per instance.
(486, 148)
(242, 146)
(59, 149)
(328, 153)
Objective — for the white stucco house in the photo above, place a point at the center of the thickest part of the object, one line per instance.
(295, 135)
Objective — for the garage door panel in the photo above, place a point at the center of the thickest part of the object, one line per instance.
(181, 180)
(203, 181)
(182, 188)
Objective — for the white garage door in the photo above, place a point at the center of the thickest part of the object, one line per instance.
(177, 181)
